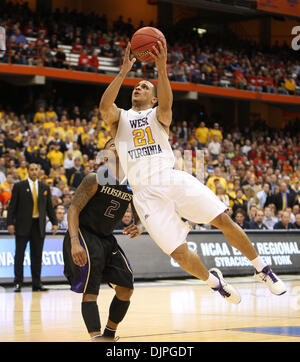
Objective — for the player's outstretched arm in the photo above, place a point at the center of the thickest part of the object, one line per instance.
(85, 191)
(164, 90)
(109, 111)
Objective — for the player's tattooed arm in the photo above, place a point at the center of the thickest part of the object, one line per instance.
(85, 191)
(83, 194)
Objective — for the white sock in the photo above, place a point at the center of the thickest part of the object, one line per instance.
(212, 281)
(258, 263)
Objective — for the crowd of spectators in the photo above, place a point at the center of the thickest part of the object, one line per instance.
(230, 64)
(256, 173)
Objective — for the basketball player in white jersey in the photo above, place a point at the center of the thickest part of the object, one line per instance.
(160, 193)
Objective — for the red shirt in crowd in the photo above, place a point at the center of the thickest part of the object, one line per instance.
(252, 80)
(94, 61)
(238, 75)
(77, 48)
(83, 59)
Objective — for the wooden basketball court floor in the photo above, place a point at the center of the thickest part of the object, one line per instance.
(162, 311)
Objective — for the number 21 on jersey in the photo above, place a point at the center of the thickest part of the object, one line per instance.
(142, 137)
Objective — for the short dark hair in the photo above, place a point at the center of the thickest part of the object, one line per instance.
(107, 143)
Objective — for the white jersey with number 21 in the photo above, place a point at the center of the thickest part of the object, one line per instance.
(143, 146)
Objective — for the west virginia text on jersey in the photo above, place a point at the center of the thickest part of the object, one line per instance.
(143, 145)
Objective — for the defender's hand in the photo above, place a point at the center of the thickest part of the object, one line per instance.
(133, 230)
(78, 253)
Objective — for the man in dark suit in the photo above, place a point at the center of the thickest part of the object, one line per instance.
(26, 218)
(283, 199)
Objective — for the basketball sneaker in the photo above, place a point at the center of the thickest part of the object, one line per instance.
(271, 280)
(227, 291)
(102, 338)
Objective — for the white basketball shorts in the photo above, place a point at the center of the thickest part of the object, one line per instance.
(179, 194)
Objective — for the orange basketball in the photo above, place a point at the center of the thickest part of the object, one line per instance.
(143, 40)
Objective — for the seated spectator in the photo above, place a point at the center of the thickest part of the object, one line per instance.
(215, 131)
(283, 198)
(22, 170)
(84, 61)
(290, 85)
(221, 194)
(284, 222)
(269, 219)
(66, 201)
(55, 155)
(202, 133)
(62, 224)
(39, 116)
(240, 219)
(10, 142)
(69, 160)
(214, 147)
(59, 60)
(268, 85)
(126, 220)
(57, 140)
(262, 196)
(44, 161)
(76, 173)
(19, 37)
(47, 56)
(258, 222)
(51, 113)
(29, 29)
(216, 179)
(252, 210)
(77, 47)
(239, 79)
(6, 189)
(297, 221)
(240, 202)
(252, 82)
(94, 62)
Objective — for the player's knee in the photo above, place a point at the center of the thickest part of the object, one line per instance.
(89, 297)
(222, 221)
(123, 293)
(180, 254)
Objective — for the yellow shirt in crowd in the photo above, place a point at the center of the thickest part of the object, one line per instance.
(22, 173)
(202, 134)
(211, 183)
(215, 132)
(56, 156)
(39, 117)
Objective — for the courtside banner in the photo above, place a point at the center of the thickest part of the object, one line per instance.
(284, 7)
(52, 262)
(280, 249)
